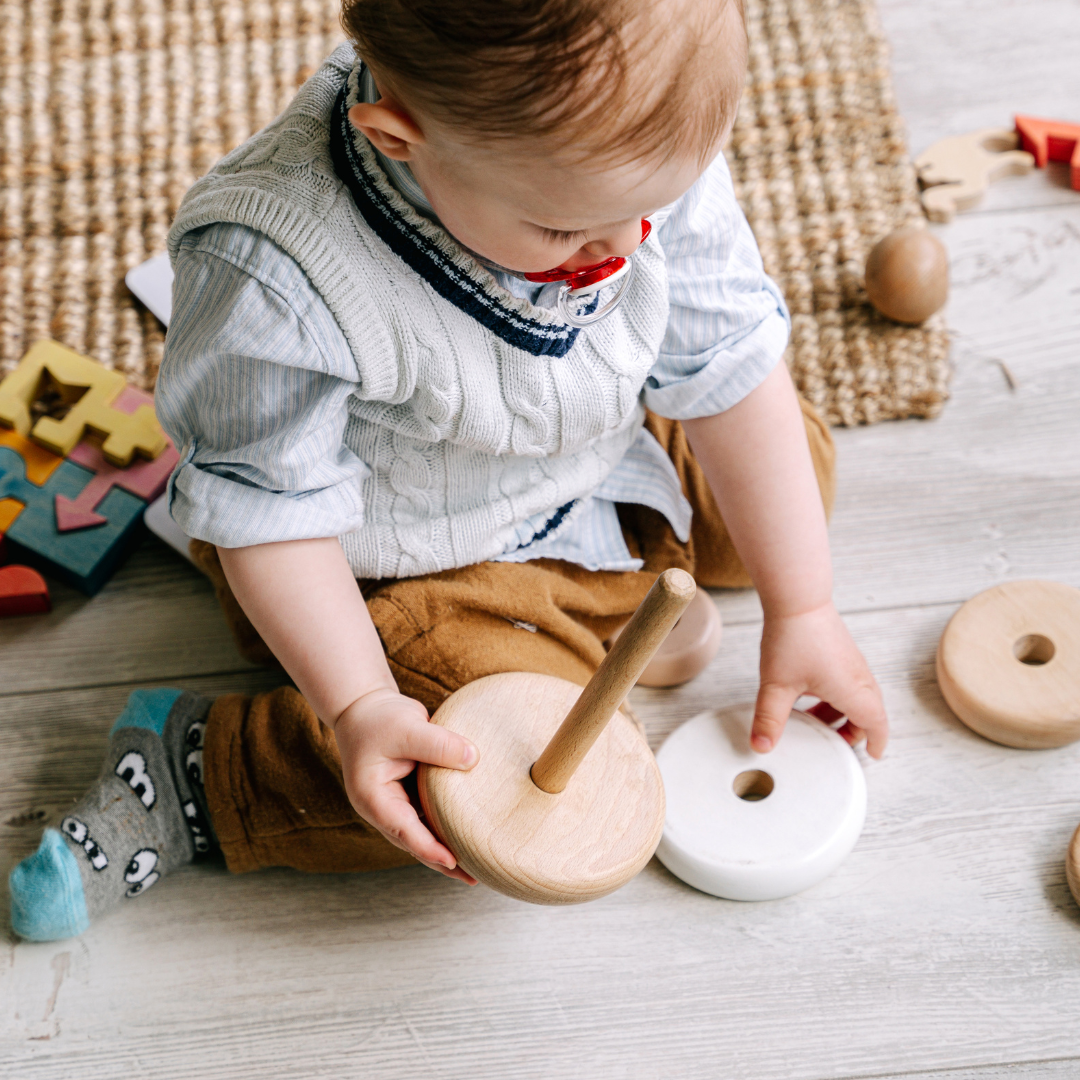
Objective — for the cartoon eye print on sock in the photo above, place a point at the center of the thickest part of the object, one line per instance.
(78, 832)
(132, 768)
(197, 826)
(140, 873)
(193, 761)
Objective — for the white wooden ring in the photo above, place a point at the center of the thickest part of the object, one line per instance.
(1008, 664)
(747, 826)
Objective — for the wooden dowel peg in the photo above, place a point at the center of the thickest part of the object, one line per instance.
(637, 644)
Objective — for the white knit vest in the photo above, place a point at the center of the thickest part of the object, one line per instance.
(475, 411)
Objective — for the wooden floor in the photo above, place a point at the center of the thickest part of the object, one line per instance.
(946, 948)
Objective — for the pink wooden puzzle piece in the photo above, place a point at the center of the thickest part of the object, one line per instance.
(144, 479)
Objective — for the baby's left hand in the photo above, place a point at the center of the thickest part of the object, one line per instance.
(813, 653)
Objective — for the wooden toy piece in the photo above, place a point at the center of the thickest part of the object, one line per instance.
(565, 803)
(907, 275)
(1051, 140)
(84, 559)
(747, 826)
(82, 394)
(690, 647)
(22, 592)
(956, 172)
(145, 479)
(1008, 664)
(1072, 866)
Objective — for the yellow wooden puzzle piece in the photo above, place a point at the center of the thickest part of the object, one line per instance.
(89, 390)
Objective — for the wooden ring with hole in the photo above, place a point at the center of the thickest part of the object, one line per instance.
(1072, 866)
(1008, 664)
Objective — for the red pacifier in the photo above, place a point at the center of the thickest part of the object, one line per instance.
(590, 280)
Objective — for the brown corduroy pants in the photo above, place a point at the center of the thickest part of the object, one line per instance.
(272, 772)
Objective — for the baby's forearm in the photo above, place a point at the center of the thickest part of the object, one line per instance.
(757, 461)
(303, 599)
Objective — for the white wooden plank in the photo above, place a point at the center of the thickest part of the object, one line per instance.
(947, 940)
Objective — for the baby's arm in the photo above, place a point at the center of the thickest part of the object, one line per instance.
(757, 461)
(303, 599)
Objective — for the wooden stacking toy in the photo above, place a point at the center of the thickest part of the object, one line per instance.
(1072, 866)
(690, 647)
(747, 826)
(565, 803)
(1008, 664)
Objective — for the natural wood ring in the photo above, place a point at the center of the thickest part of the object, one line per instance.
(578, 845)
(1008, 664)
(1072, 866)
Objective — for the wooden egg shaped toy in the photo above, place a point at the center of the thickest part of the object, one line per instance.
(747, 826)
(565, 803)
(1008, 664)
(907, 275)
(690, 647)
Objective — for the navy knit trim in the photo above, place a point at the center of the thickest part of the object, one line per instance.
(553, 523)
(418, 252)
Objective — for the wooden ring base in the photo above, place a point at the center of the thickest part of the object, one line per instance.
(1008, 664)
(578, 845)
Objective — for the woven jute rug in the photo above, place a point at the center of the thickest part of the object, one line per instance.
(109, 109)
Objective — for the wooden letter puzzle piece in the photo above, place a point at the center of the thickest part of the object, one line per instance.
(1051, 140)
(90, 391)
(956, 172)
(84, 559)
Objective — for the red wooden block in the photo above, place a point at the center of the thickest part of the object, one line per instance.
(1051, 140)
(23, 591)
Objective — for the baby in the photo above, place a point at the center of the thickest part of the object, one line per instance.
(418, 448)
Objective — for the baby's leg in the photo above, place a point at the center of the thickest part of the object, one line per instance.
(145, 815)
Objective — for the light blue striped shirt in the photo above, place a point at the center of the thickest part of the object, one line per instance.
(257, 378)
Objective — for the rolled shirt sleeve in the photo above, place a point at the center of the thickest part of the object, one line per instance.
(728, 325)
(254, 390)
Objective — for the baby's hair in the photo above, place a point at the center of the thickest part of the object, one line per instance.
(620, 79)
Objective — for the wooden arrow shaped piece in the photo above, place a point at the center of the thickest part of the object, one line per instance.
(144, 479)
(1051, 140)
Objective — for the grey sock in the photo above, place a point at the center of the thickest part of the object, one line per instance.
(147, 813)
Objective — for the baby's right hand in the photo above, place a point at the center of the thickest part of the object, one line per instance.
(381, 737)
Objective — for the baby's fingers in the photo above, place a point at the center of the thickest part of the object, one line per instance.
(771, 713)
(865, 711)
(398, 821)
(435, 745)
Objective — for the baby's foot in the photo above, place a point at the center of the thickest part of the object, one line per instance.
(145, 816)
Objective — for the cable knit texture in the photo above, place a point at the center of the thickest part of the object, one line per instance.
(476, 410)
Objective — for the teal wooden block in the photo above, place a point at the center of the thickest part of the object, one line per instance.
(84, 558)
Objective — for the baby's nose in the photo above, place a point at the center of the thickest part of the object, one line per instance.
(620, 240)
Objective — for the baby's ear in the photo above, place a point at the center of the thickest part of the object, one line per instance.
(388, 127)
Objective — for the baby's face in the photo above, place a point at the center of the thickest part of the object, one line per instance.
(530, 213)
(529, 207)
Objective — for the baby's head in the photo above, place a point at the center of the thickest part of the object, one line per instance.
(542, 131)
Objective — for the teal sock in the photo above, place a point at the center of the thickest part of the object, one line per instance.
(145, 815)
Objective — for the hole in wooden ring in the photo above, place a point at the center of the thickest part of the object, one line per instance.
(753, 785)
(1034, 649)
